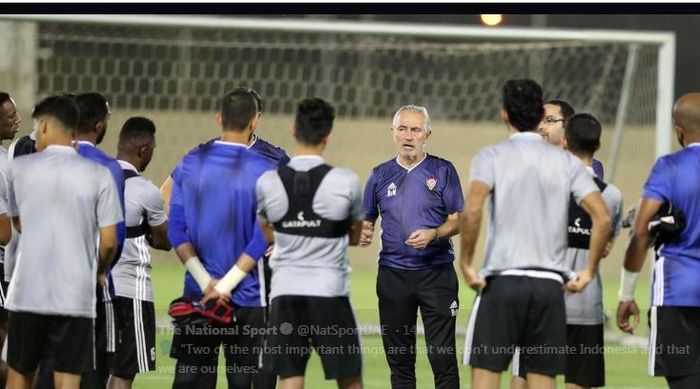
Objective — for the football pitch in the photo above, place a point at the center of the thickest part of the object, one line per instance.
(625, 365)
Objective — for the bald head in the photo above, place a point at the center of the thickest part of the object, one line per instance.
(686, 113)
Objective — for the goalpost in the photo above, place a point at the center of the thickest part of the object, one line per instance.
(367, 69)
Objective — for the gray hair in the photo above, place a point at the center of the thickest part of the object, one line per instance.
(413, 108)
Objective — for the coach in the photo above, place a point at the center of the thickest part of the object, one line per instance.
(418, 197)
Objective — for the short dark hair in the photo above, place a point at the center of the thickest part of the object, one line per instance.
(93, 108)
(258, 99)
(238, 108)
(4, 96)
(61, 107)
(522, 100)
(313, 121)
(582, 132)
(137, 128)
(567, 110)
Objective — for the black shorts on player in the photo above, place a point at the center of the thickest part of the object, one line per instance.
(675, 345)
(327, 325)
(136, 338)
(519, 311)
(585, 358)
(68, 341)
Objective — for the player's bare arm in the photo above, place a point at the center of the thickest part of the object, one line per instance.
(355, 232)
(166, 190)
(601, 229)
(107, 250)
(158, 237)
(268, 230)
(470, 226)
(635, 255)
(367, 232)
(5, 230)
(608, 247)
(188, 257)
(421, 238)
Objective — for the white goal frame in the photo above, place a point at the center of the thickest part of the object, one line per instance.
(665, 41)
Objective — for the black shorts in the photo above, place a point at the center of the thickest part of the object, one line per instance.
(674, 344)
(518, 311)
(198, 346)
(68, 341)
(300, 324)
(585, 358)
(136, 337)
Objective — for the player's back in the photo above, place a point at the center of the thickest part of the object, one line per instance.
(308, 261)
(682, 170)
(57, 196)
(531, 183)
(216, 186)
(586, 307)
(675, 178)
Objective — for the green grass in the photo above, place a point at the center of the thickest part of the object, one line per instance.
(625, 366)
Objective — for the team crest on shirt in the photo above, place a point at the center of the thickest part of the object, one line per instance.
(430, 182)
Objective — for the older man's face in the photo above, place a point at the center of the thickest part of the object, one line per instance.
(410, 134)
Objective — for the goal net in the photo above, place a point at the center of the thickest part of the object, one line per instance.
(364, 75)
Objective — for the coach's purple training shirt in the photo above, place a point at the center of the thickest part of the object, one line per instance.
(408, 200)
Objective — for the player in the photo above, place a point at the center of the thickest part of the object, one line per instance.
(146, 225)
(674, 318)
(94, 118)
(584, 311)
(214, 230)
(52, 295)
(9, 119)
(556, 113)
(9, 126)
(520, 300)
(418, 197)
(312, 208)
(279, 157)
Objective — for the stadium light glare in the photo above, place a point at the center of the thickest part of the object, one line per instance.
(491, 19)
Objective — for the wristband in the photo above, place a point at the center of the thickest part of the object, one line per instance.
(230, 280)
(198, 272)
(628, 280)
